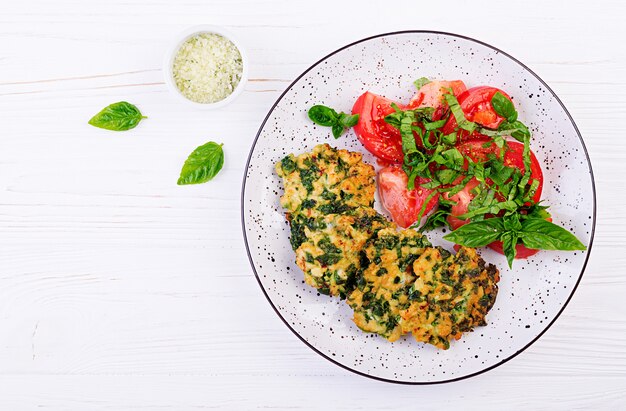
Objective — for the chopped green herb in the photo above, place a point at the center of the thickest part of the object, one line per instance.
(421, 82)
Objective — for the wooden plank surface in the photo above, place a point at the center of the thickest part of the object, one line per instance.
(121, 290)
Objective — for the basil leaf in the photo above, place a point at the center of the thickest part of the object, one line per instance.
(516, 129)
(526, 160)
(458, 114)
(500, 173)
(541, 234)
(432, 184)
(500, 142)
(490, 208)
(323, 116)
(426, 201)
(446, 176)
(520, 132)
(459, 187)
(424, 113)
(483, 199)
(337, 130)
(434, 125)
(510, 189)
(509, 243)
(437, 219)
(202, 164)
(451, 158)
(328, 117)
(406, 132)
(512, 222)
(478, 170)
(412, 175)
(396, 108)
(477, 234)
(118, 116)
(347, 120)
(531, 191)
(394, 119)
(538, 211)
(421, 82)
(415, 158)
(504, 107)
(449, 139)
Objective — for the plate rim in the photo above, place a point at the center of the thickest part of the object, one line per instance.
(593, 219)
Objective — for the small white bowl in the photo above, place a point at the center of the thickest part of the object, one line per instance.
(173, 51)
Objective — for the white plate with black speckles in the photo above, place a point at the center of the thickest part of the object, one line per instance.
(532, 294)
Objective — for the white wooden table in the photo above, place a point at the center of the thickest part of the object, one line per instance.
(120, 290)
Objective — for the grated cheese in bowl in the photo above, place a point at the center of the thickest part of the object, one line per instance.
(207, 68)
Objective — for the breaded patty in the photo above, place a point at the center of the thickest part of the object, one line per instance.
(328, 249)
(450, 295)
(382, 289)
(412, 287)
(325, 181)
(395, 281)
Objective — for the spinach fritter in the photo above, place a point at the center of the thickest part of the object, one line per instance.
(328, 249)
(382, 289)
(326, 181)
(413, 287)
(451, 294)
(395, 281)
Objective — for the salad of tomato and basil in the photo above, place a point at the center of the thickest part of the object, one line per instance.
(459, 158)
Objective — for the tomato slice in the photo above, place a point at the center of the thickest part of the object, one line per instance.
(513, 157)
(521, 250)
(403, 205)
(378, 137)
(462, 199)
(477, 151)
(383, 140)
(476, 105)
(431, 94)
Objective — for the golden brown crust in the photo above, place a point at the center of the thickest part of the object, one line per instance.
(329, 253)
(395, 281)
(326, 181)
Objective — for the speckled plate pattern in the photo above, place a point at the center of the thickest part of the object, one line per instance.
(532, 294)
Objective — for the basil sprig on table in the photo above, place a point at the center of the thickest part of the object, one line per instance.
(120, 116)
(202, 164)
(328, 117)
(535, 233)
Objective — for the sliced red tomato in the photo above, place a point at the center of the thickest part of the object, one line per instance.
(403, 205)
(479, 150)
(476, 105)
(513, 157)
(378, 137)
(521, 250)
(431, 94)
(462, 199)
